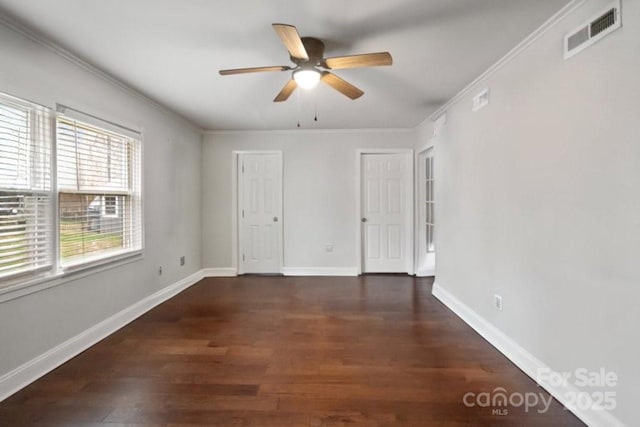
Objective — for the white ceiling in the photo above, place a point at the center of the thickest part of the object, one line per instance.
(171, 51)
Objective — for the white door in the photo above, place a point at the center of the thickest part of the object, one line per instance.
(260, 211)
(385, 213)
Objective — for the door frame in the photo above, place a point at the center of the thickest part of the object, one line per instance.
(420, 155)
(236, 192)
(409, 196)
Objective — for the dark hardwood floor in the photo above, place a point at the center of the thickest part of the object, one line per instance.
(274, 351)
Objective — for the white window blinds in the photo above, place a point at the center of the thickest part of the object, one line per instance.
(25, 185)
(98, 192)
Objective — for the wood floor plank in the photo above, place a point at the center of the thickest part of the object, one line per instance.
(277, 352)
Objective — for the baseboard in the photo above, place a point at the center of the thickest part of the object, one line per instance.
(524, 360)
(27, 373)
(320, 271)
(219, 272)
(425, 272)
(288, 271)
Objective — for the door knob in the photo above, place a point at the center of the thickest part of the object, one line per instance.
(364, 220)
(275, 219)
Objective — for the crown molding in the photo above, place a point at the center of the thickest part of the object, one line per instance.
(307, 131)
(513, 53)
(19, 27)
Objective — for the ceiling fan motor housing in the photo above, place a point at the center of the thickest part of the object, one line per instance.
(315, 52)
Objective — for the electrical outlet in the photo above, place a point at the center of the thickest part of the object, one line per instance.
(497, 302)
(182, 260)
(328, 248)
(160, 271)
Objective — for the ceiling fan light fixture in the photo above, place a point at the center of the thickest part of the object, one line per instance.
(310, 65)
(307, 78)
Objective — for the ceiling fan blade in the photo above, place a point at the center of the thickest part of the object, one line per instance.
(253, 70)
(342, 86)
(286, 91)
(291, 39)
(355, 61)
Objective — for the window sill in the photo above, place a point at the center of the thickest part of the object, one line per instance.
(96, 261)
(52, 279)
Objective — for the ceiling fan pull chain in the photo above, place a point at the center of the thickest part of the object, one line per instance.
(315, 105)
(298, 106)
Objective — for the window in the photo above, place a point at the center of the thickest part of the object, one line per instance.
(25, 188)
(99, 199)
(110, 206)
(85, 209)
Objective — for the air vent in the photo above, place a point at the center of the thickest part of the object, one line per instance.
(480, 100)
(605, 21)
(596, 28)
(578, 38)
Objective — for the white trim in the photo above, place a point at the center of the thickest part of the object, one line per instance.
(304, 131)
(513, 53)
(409, 221)
(99, 259)
(116, 127)
(420, 270)
(425, 272)
(13, 24)
(219, 272)
(524, 360)
(235, 159)
(27, 373)
(431, 143)
(320, 271)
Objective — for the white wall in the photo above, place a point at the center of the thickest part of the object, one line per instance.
(320, 203)
(538, 199)
(424, 136)
(33, 324)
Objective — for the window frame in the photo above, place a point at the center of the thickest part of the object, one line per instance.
(27, 282)
(35, 112)
(109, 127)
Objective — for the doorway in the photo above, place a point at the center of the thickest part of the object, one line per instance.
(426, 218)
(259, 212)
(386, 211)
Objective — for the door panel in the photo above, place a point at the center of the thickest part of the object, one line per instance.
(394, 197)
(260, 212)
(385, 211)
(373, 241)
(268, 195)
(394, 241)
(373, 196)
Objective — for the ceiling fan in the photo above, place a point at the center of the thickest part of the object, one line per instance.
(307, 53)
